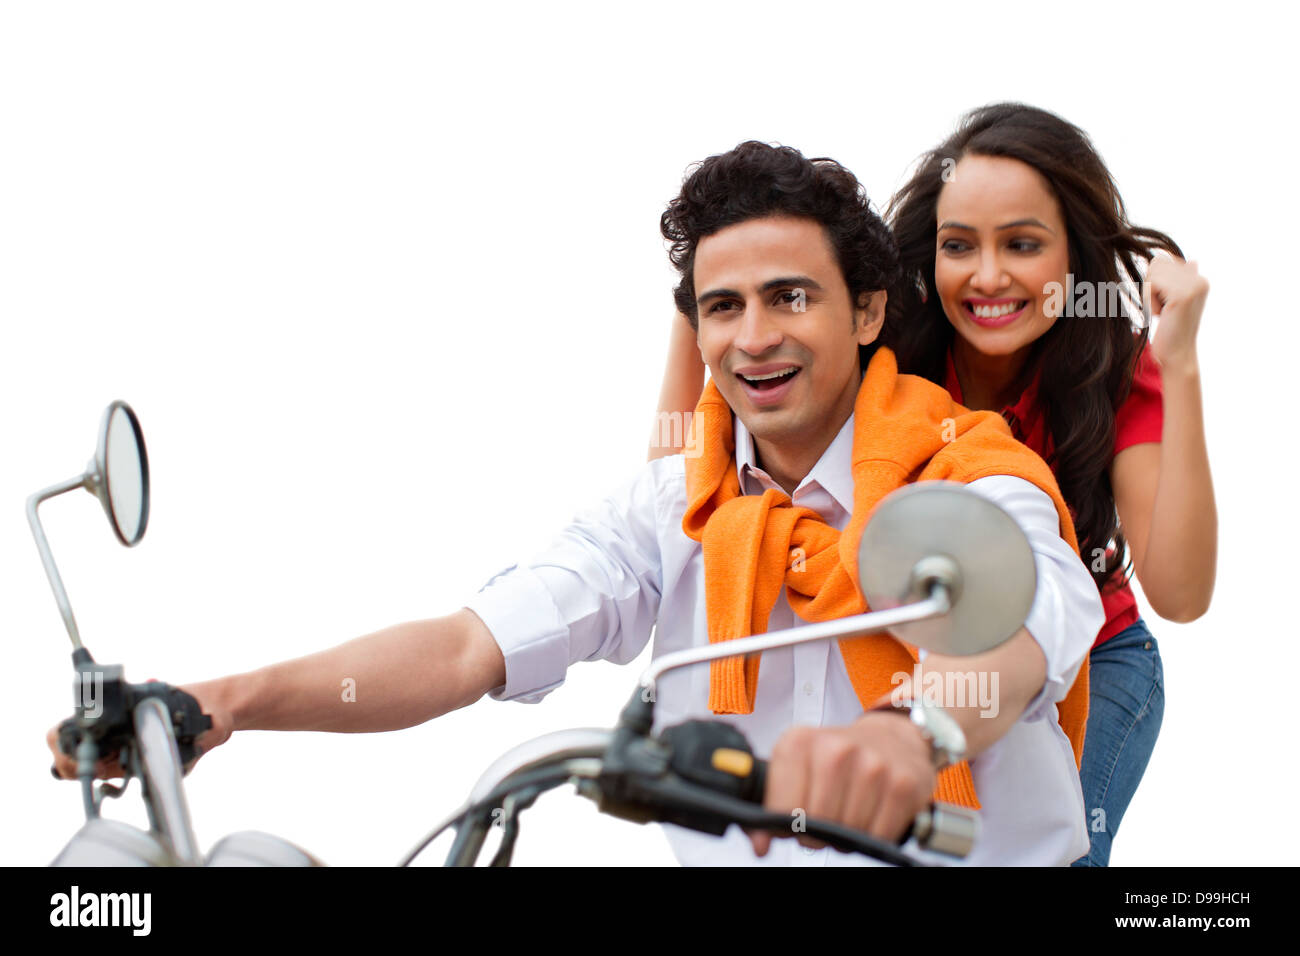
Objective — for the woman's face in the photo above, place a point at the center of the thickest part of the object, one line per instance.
(1000, 247)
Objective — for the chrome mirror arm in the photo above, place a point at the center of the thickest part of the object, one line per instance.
(936, 605)
(47, 559)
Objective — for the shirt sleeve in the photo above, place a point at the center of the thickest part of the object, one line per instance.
(1066, 613)
(593, 594)
(1141, 417)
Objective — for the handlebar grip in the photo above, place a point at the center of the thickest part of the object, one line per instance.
(941, 827)
(718, 756)
(113, 727)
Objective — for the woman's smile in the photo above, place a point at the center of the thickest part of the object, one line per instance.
(994, 313)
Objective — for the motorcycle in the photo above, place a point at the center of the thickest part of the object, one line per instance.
(943, 568)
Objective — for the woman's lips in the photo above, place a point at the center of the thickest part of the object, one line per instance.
(994, 321)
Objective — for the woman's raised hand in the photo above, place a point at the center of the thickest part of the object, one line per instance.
(1174, 293)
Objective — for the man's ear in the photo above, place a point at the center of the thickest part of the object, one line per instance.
(870, 316)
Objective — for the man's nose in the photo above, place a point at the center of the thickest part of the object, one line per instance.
(757, 332)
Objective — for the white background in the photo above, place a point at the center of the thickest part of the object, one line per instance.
(384, 283)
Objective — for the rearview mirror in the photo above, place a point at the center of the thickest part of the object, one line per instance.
(941, 532)
(119, 473)
(118, 476)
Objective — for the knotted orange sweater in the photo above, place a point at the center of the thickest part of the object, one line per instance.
(906, 429)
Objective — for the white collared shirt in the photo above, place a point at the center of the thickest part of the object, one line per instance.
(618, 569)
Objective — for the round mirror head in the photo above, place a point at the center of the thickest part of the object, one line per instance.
(942, 530)
(122, 473)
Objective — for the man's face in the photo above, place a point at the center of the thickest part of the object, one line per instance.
(778, 331)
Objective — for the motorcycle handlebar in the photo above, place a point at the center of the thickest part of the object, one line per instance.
(706, 779)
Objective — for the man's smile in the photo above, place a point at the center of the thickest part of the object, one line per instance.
(767, 384)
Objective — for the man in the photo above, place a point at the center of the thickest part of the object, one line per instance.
(785, 269)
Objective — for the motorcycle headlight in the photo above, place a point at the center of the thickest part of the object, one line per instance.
(112, 843)
(251, 848)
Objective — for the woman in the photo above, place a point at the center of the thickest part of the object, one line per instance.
(1021, 273)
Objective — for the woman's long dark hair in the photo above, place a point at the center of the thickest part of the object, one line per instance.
(1086, 364)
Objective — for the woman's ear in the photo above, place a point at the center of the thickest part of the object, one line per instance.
(870, 315)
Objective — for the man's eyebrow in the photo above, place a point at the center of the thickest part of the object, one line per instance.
(796, 282)
(717, 294)
(950, 224)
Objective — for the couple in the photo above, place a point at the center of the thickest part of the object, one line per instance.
(697, 547)
(1009, 224)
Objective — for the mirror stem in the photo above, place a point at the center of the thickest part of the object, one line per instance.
(936, 605)
(52, 572)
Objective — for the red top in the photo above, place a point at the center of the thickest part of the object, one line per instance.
(1140, 419)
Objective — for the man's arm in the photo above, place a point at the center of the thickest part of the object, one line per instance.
(1016, 670)
(390, 680)
(395, 678)
(593, 594)
(874, 774)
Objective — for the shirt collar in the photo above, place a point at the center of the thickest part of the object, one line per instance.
(833, 471)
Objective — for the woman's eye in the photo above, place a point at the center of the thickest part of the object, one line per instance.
(1025, 245)
(953, 246)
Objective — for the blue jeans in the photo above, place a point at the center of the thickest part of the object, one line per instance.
(1126, 702)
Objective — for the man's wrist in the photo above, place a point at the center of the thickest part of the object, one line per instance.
(227, 694)
(938, 730)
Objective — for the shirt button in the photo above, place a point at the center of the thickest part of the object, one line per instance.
(1147, 645)
(808, 688)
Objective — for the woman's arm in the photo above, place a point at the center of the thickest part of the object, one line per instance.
(1163, 491)
(683, 383)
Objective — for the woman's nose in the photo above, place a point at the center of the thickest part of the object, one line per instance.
(989, 275)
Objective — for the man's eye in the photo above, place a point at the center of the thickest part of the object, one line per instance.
(719, 306)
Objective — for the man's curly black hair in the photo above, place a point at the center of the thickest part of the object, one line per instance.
(756, 180)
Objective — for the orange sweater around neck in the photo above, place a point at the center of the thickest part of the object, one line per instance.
(906, 429)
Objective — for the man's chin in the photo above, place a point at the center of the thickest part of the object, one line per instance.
(776, 426)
